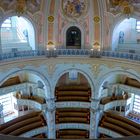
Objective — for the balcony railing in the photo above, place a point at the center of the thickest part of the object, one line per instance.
(68, 52)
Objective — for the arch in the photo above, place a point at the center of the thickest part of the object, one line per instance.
(28, 19)
(118, 20)
(40, 75)
(73, 37)
(87, 76)
(64, 31)
(115, 72)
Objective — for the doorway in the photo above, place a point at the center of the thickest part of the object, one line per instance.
(73, 38)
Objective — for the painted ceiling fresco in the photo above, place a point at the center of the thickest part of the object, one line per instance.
(32, 6)
(116, 6)
(74, 8)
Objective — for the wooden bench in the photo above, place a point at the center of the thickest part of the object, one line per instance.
(72, 131)
(72, 137)
(72, 87)
(72, 119)
(117, 129)
(70, 114)
(123, 125)
(72, 110)
(21, 118)
(26, 128)
(132, 82)
(117, 117)
(72, 98)
(20, 124)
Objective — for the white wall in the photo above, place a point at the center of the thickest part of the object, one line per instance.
(25, 24)
(128, 26)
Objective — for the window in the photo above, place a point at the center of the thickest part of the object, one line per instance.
(138, 26)
(6, 104)
(7, 23)
(136, 106)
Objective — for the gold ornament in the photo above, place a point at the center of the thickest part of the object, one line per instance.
(127, 10)
(50, 18)
(50, 43)
(96, 19)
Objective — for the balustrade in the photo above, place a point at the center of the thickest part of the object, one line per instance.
(68, 52)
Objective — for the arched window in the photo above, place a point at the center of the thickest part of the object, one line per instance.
(17, 34)
(126, 36)
(73, 38)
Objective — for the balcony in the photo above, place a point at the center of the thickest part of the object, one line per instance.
(68, 53)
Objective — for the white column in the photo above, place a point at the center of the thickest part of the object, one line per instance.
(94, 119)
(50, 114)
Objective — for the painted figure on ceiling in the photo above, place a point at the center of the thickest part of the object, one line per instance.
(74, 8)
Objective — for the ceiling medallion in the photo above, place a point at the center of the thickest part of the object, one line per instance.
(74, 9)
(96, 19)
(51, 18)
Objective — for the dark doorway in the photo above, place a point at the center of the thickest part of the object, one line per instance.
(73, 38)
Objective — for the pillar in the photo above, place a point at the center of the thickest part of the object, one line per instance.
(50, 115)
(94, 118)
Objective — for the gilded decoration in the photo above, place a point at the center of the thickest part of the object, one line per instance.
(96, 19)
(123, 6)
(75, 8)
(51, 18)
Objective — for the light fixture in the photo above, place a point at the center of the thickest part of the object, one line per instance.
(50, 45)
(96, 46)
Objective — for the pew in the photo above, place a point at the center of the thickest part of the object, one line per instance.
(117, 129)
(76, 114)
(73, 87)
(20, 124)
(123, 125)
(123, 119)
(132, 82)
(12, 122)
(72, 134)
(73, 93)
(26, 128)
(72, 119)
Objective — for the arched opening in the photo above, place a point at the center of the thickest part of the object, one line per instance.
(73, 38)
(120, 103)
(17, 34)
(71, 90)
(126, 37)
(121, 87)
(21, 86)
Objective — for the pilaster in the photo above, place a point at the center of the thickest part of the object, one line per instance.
(50, 115)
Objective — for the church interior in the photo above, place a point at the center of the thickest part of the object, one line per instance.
(69, 69)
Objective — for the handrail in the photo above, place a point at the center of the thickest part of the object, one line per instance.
(68, 52)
